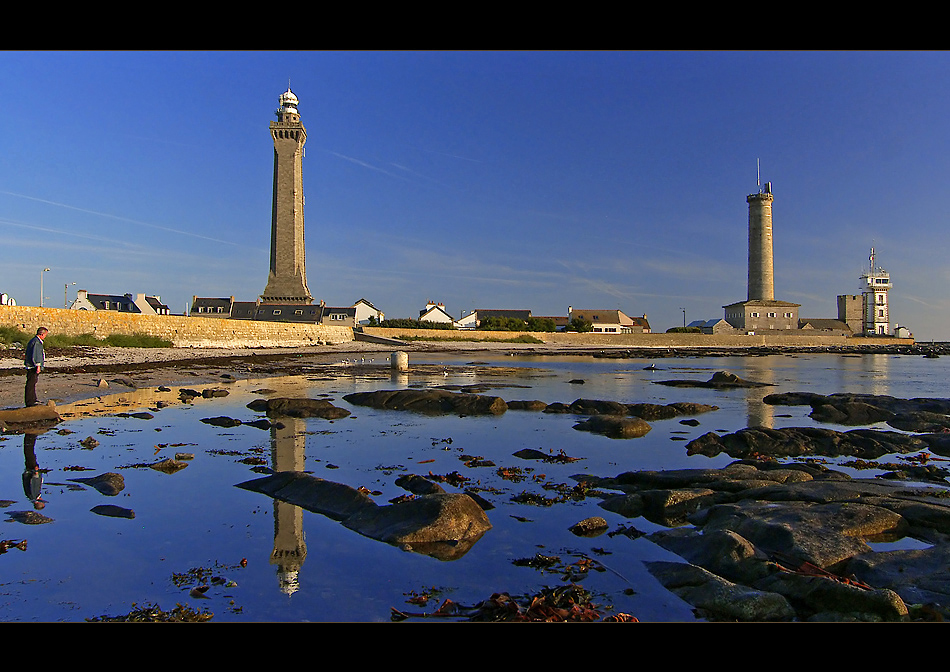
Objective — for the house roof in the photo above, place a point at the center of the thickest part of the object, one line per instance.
(244, 310)
(434, 309)
(823, 324)
(603, 316)
(289, 312)
(213, 302)
(99, 301)
(760, 303)
(367, 303)
(155, 303)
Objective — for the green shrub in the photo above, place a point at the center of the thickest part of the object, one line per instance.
(515, 324)
(64, 341)
(136, 341)
(523, 338)
(10, 335)
(580, 325)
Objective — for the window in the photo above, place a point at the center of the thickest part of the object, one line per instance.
(771, 314)
(298, 312)
(753, 314)
(276, 312)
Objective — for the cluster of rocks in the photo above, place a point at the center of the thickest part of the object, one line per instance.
(775, 542)
(188, 395)
(910, 415)
(618, 420)
(611, 418)
(929, 418)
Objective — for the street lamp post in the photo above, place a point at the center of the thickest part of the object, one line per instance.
(66, 294)
(41, 285)
(684, 317)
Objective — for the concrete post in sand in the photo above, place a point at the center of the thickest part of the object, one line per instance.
(399, 361)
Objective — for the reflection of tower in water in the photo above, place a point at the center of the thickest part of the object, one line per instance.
(873, 368)
(290, 550)
(760, 414)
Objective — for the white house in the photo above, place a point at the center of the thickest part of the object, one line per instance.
(365, 310)
(435, 312)
(612, 321)
(141, 304)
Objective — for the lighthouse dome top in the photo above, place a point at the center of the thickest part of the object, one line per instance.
(288, 101)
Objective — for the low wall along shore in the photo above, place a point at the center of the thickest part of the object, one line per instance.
(208, 332)
(798, 340)
(196, 332)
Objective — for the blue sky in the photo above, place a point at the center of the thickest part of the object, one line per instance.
(481, 179)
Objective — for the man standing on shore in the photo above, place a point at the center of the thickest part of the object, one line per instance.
(34, 360)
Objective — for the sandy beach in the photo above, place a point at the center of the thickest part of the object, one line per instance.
(73, 374)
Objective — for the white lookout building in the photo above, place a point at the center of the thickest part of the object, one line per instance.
(874, 286)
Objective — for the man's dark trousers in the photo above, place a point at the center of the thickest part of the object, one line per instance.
(29, 395)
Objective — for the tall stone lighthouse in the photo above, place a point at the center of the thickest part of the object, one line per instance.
(287, 280)
(761, 276)
(761, 312)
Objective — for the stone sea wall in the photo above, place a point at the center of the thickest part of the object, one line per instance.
(208, 332)
(203, 332)
(798, 340)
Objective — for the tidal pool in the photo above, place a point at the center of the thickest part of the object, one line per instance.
(278, 562)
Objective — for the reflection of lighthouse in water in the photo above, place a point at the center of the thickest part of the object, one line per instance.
(290, 549)
(760, 414)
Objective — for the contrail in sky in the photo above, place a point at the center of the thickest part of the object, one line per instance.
(364, 164)
(117, 217)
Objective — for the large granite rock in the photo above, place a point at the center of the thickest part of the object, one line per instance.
(42, 415)
(718, 597)
(298, 408)
(442, 525)
(616, 427)
(109, 483)
(430, 401)
(720, 380)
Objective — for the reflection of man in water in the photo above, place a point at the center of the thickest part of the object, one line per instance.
(32, 476)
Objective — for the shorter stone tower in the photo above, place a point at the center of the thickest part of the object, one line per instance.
(851, 311)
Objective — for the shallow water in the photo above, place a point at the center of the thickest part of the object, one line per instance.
(301, 566)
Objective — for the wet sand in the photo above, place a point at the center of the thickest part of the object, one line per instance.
(72, 374)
